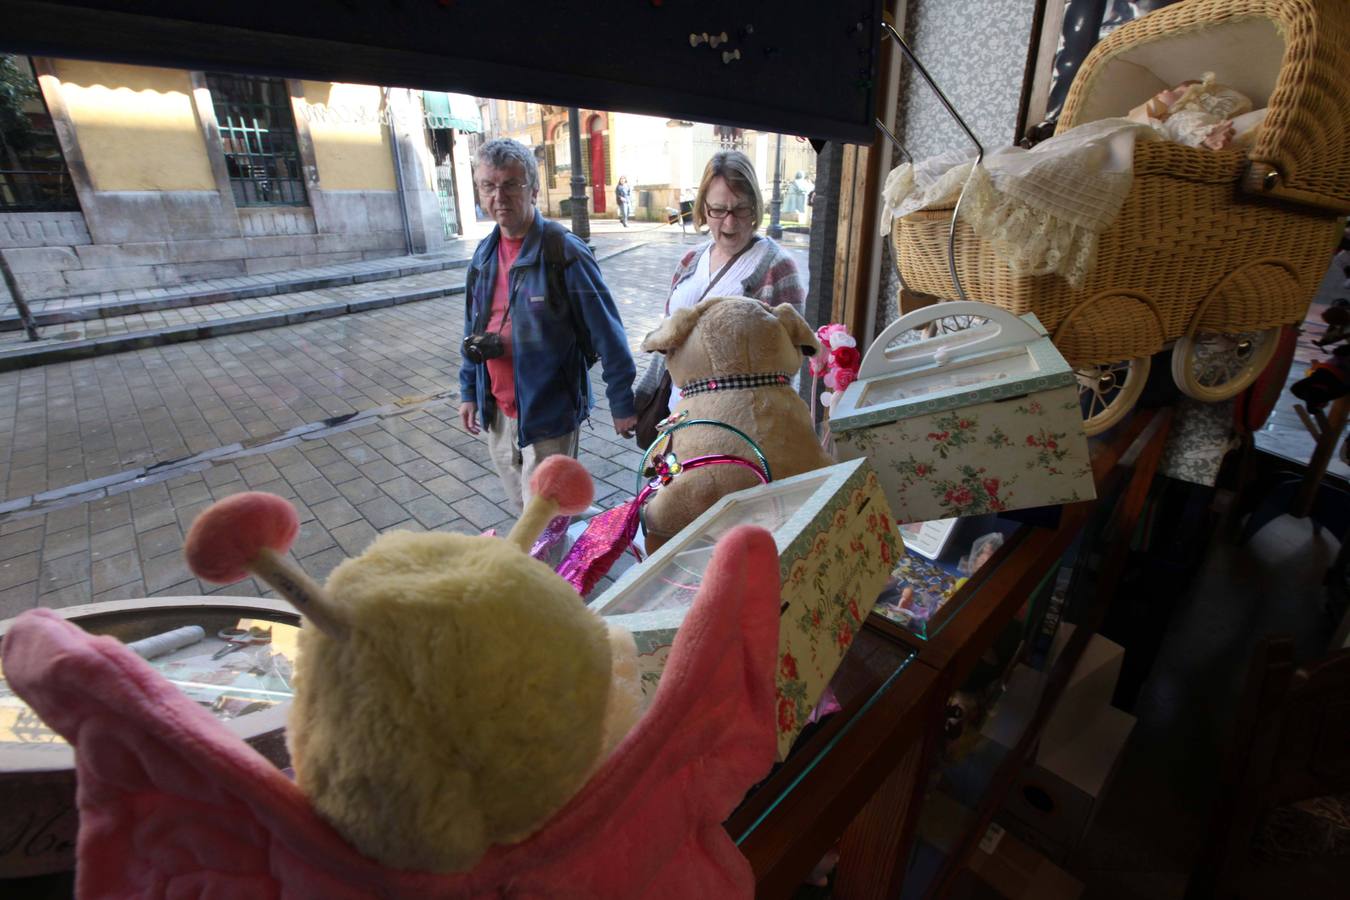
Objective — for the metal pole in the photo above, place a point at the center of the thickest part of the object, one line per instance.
(888, 31)
(581, 221)
(25, 314)
(776, 204)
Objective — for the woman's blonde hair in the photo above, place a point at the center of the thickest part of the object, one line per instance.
(736, 168)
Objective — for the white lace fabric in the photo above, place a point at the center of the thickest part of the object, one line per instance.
(1043, 209)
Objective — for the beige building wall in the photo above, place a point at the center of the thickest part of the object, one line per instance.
(351, 140)
(137, 127)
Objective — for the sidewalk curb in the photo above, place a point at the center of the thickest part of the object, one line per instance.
(207, 297)
(71, 351)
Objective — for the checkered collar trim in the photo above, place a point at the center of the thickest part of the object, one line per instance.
(735, 383)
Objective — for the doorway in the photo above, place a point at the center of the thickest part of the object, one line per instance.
(598, 174)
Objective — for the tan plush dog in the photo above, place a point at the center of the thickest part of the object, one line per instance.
(709, 349)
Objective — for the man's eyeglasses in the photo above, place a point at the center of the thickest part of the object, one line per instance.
(720, 212)
(507, 188)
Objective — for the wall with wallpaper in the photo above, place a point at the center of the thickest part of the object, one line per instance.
(976, 50)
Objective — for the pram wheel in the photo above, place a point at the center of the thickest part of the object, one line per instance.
(1212, 366)
(1107, 392)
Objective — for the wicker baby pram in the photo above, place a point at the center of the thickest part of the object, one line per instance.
(1213, 250)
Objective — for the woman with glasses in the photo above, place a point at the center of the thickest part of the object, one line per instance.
(737, 261)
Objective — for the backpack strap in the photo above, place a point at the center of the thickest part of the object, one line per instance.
(556, 263)
(470, 277)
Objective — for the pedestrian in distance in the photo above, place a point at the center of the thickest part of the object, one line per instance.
(623, 196)
(537, 316)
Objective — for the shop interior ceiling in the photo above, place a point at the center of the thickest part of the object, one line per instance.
(795, 66)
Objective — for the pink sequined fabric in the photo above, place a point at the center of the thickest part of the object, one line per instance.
(605, 539)
(609, 534)
(554, 532)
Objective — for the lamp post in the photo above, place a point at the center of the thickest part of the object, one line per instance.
(776, 204)
(581, 222)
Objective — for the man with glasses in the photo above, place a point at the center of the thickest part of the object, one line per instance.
(537, 315)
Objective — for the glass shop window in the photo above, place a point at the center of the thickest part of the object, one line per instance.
(257, 136)
(33, 173)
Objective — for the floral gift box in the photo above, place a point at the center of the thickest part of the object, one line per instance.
(976, 421)
(837, 543)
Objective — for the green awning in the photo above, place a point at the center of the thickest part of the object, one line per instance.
(451, 111)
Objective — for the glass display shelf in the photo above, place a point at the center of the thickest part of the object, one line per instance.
(248, 690)
(1004, 701)
(231, 679)
(873, 667)
(925, 594)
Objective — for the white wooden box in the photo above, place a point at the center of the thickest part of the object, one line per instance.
(969, 422)
(837, 543)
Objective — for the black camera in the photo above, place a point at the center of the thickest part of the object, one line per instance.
(479, 348)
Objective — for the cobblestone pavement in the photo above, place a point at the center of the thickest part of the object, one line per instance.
(105, 462)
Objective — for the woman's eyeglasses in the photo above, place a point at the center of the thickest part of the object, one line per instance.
(720, 212)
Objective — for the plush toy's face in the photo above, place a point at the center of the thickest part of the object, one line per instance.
(467, 704)
(732, 335)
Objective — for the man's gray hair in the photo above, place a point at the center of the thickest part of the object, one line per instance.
(504, 152)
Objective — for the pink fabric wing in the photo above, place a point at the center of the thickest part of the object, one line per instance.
(172, 804)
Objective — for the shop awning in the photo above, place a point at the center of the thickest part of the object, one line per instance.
(451, 111)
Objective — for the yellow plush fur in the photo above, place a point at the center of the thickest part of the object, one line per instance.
(474, 696)
(728, 336)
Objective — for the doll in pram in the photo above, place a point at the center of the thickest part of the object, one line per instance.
(1213, 251)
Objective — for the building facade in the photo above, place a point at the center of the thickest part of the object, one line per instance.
(134, 177)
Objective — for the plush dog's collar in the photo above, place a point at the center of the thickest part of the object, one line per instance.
(735, 383)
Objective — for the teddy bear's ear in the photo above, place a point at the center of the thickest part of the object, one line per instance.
(672, 332)
(798, 331)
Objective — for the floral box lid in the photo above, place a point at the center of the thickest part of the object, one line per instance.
(837, 543)
(1005, 358)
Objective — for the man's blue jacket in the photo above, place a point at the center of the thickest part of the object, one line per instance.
(553, 390)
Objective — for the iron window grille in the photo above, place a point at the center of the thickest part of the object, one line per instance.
(257, 136)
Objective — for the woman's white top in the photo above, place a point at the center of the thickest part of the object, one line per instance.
(688, 292)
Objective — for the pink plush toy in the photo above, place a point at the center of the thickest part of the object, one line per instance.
(173, 805)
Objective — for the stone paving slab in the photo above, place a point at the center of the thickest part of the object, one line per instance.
(354, 418)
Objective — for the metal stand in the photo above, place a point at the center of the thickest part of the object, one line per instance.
(25, 314)
(894, 35)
